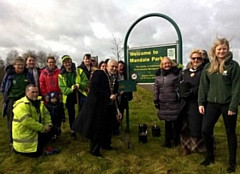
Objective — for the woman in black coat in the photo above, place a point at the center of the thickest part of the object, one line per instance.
(191, 138)
(166, 99)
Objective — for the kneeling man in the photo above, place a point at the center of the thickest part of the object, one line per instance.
(31, 124)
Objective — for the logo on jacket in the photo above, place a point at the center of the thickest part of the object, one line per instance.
(224, 73)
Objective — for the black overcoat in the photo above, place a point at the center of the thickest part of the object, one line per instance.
(189, 106)
(94, 116)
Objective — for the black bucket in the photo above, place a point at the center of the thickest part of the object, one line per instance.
(156, 131)
(183, 88)
(142, 128)
(142, 137)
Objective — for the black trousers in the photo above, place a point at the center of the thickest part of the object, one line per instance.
(103, 137)
(172, 132)
(70, 105)
(213, 112)
(10, 118)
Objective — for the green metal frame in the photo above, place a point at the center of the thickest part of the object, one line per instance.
(125, 47)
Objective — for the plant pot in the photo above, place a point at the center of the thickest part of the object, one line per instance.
(142, 137)
(142, 128)
(156, 131)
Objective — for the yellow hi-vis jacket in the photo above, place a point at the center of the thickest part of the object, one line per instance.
(26, 125)
(81, 81)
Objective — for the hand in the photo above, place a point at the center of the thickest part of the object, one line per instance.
(121, 92)
(113, 97)
(230, 113)
(201, 110)
(47, 98)
(74, 87)
(119, 117)
(47, 128)
(156, 103)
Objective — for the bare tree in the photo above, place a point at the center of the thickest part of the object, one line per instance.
(1, 69)
(41, 59)
(117, 49)
(2, 63)
(11, 56)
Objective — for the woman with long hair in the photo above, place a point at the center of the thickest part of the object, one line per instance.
(218, 94)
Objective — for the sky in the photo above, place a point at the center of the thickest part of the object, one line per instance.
(76, 27)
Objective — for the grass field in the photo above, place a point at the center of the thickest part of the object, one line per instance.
(149, 158)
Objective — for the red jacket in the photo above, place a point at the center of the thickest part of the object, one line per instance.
(49, 81)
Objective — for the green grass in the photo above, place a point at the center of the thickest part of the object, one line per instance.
(149, 158)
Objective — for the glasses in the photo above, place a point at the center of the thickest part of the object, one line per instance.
(196, 58)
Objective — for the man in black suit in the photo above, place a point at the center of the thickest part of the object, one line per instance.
(99, 112)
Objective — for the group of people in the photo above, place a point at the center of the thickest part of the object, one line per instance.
(35, 100)
(192, 100)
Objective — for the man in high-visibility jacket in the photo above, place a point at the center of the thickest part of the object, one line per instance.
(73, 83)
(31, 126)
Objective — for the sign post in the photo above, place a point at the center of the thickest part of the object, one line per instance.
(179, 52)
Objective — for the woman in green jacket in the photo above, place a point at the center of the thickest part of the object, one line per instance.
(219, 93)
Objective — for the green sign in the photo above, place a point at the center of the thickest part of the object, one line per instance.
(144, 62)
(127, 86)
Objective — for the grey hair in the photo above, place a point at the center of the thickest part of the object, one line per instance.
(112, 61)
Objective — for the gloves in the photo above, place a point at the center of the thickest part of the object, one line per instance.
(156, 103)
(76, 86)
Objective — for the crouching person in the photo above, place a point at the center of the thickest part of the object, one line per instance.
(32, 124)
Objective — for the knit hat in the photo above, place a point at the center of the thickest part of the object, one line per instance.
(52, 95)
(66, 57)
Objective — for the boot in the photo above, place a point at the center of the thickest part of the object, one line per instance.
(208, 161)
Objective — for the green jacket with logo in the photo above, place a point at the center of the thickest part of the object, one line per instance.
(80, 79)
(221, 88)
(27, 123)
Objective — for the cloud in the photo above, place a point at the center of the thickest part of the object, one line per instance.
(78, 27)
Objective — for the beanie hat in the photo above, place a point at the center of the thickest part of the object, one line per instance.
(66, 57)
(52, 95)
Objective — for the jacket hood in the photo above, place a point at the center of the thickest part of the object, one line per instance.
(63, 69)
(11, 70)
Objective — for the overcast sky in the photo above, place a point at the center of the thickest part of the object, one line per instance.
(76, 27)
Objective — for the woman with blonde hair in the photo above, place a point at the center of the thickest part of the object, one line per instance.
(219, 92)
(191, 138)
(166, 100)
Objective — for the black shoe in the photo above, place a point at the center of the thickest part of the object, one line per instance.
(208, 161)
(231, 168)
(107, 147)
(73, 135)
(97, 154)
